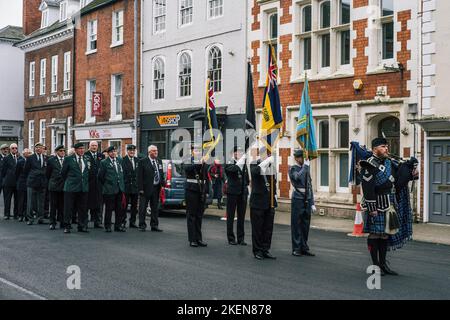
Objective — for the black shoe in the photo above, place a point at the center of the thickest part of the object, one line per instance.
(268, 255)
(233, 243)
(66, 230)
(133, 226)
(388, 271)
(156, 229)
(83, 230)
(21, 219)
(308, 254)
(201, 244)
(242, 243)
(30, 223)
(6, 218)
(52, 227)
(259, 256)
(119, 229)
(193, 244)
(296, 253)
(107, 229)
(40, 221)
(142, 229)
(98, 226)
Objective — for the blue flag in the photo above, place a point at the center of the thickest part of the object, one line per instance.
(305, 126)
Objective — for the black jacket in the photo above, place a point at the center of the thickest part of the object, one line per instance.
(129, 175)
(21, 177)
(2, 161)
(53, 173)
(262, 188)
(197, 172)
(237, 179)
(36, 174)
(146, 176)
(95, 192)
(9, 172)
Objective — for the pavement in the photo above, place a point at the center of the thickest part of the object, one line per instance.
(134, 265)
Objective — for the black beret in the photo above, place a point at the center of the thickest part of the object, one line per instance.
(37, 145)
(131, 147)
(298, 153)
(378, 142)
(60, 147)
(111, 149)
(78, 145)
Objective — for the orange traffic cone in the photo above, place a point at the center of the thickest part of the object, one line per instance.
(359, 224)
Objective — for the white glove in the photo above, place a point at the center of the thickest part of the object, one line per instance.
(306, 162)
(241, 162)
(313, 208)
(266, 163)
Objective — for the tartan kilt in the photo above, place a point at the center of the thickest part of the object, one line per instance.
(375, 225)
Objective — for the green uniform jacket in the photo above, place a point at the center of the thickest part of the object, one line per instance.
(110, 179)
(74, 180)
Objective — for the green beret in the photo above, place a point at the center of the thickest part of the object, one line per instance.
(60, 147)
(78, 145)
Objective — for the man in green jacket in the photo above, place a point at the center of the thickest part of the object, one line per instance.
(75, 172)
(110, 176)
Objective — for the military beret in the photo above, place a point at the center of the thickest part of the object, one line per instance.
(78, 145)
(4, 146)
(131, 147)
(37, 145)
(60, 147)
(298, 153)
(378, 142)
(111, 149)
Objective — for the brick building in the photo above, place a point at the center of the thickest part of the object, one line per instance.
(360, 57)
(48, 94)
(104, 68)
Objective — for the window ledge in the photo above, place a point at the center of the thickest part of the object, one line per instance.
(89, 121)
(116, 118)
(184, 98)
(117, 44)
(319, 77)
(379, 70)
(91, 52)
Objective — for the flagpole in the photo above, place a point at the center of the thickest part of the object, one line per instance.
(307, 147)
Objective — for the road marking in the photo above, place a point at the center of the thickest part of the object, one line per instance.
(15, 286)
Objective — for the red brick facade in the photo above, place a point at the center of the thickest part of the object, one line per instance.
(31, 16)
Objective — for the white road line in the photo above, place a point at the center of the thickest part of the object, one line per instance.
(15, 286)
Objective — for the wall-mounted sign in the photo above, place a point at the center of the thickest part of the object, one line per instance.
(60, 97)
(97, 104)
(103, 134)
(168, 120)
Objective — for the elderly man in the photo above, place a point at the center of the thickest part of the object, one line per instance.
(4, 150)
(94, 157)
(22, 184)
(129, 164)
(150, 178)
(35, 168)
(56, 186)
(9, 181)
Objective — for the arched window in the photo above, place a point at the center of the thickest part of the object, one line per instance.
(185, 74)
(158, 78)
(325, 14)
(306, 19)
(390, 128)
(215, 68)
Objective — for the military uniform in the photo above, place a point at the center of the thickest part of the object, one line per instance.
(110, 176)
(55, 188)
(262, 209)
(2, 159)
(301, 204)
(95, 193)
(35, 168)
(9, 182)
(21, 188)
(197, 188)
(129, 166)
(75, 172)
(237, 195)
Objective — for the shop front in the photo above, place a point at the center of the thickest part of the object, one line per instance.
(11, 132)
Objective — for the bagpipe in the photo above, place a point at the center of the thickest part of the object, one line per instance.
(404, 167)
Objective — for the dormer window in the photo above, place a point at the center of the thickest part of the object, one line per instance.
(44, 21)
(63, 11)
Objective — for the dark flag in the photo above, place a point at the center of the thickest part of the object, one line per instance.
(250, 121)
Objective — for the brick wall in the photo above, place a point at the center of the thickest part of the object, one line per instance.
(360, 3)
(31, 16)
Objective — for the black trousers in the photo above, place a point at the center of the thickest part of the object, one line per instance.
(8, 194)
(75, 203)
(195, 208)
(113, 202)
(154, 207)
(96, 215)
(300, 224)
(22, 203)
(234, 202)
(132, 198)
(56, 207)
(262, 228)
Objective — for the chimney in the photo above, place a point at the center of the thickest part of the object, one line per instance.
(31, 16)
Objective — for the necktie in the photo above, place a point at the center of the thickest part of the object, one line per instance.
(61, 160)
(40, 160)
(80, 164)
(115, 164)
(15, 159)
(156, 180)
(132, 162)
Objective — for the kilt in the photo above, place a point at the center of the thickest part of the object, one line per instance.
(375, 225)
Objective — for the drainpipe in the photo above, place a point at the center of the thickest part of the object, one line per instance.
(136, 69)
(74, 23)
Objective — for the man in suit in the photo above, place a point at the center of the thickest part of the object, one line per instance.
(21, 178)
(150, 178)
(197, 188)
(4, 150)
(237, 194)
(129, 165)
(110, 176)
(56, 186)
(9, 181)
(75, 173)
(35, 168)
(262, 205)
(95, 193)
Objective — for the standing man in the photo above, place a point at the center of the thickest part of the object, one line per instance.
(75, 173)
(150, 179)
(237, 195)
(262, 205)
(197, 188)
(129, 165)
(4, 149)
(8, 174)
(302, 205)
(56, 187)
(35, 168)
(21, 178)
(110, 176)
(95, 193)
